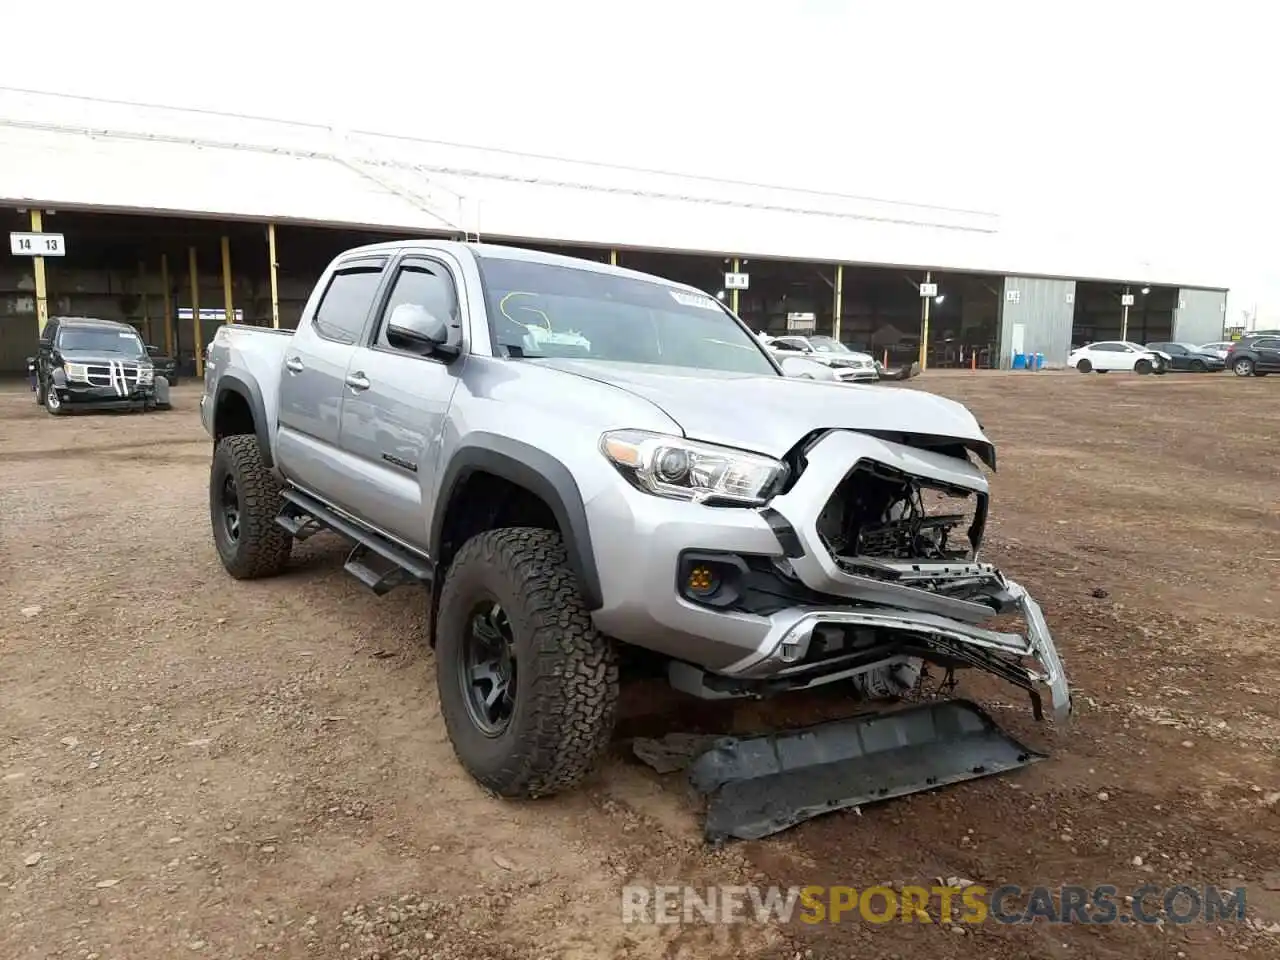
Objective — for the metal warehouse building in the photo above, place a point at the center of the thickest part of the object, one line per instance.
(175, 220)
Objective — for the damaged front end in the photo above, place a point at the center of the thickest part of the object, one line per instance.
(885, 558)
(880, 577)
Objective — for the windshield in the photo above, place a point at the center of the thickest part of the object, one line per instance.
(828, 345)
(548, 310)
(101, 340)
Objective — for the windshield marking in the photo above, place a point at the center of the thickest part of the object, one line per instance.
(693, 300)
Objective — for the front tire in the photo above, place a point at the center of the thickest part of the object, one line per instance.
(528, 688)
(1142, 367)
(1243, 367)
(53, 403)
(244, 501)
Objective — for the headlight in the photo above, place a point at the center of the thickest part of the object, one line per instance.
(76, 371)
(687, 470)
(146, 374)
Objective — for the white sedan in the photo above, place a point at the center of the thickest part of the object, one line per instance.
(1111, 355)
(849, 366)
(1219, 348)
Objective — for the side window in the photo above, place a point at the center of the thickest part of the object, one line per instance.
(423, 283)
(1268, 344)
(345, 305)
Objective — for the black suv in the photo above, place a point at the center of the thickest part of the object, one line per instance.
(1255, 355)
(83, 362)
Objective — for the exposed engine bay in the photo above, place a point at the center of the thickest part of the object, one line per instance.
(879, 513)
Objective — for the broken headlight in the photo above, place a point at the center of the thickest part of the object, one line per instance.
(687, 470)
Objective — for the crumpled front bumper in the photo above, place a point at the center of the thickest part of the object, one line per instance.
(643, 604)
(946, 625)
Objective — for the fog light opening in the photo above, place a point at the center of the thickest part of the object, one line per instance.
(702, 581)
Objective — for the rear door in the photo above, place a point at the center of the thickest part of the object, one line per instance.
(312, 382)
(396, 403)
(1109, 356)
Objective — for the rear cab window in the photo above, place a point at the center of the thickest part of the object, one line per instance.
(344, 307)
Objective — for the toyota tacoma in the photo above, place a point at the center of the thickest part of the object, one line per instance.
(576, 459)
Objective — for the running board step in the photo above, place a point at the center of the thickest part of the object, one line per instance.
(762, 785)
(374, 560)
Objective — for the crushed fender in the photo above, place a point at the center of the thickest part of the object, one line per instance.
(762, 785)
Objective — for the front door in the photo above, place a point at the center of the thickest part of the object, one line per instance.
(396, 404)
(312, 382)
(1268, 349)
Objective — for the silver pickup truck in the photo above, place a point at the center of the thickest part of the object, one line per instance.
(578, 460)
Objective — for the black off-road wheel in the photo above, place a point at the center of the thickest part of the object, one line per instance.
(244, 500)
(528, 688)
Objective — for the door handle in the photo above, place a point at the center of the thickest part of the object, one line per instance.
(293, 365)
(358, 381)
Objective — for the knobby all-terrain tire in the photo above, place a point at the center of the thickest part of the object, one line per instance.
(566, 672)
(262, 548)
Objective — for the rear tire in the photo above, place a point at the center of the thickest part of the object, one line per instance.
(244, 501)
(513, 590)
(1084, 366)
(1197, 366)
(1243, 367)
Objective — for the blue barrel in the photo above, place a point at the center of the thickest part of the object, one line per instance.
(1039, 361)
(1019, 361)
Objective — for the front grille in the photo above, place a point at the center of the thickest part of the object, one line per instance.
(124, 378)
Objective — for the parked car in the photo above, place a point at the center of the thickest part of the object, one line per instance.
(571, 458)
(1255, 355)
(1187, 356)
(83, 362)
(1109, 355)
(1218, 348)
(166, 366)
(850, 366)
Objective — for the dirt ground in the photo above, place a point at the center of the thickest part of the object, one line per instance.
(194, 766)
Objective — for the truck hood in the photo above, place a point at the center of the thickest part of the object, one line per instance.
(770, 415)
(100, 358)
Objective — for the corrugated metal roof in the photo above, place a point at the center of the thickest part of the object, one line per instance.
(70, 151)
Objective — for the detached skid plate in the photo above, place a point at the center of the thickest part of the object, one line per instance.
(762, 785)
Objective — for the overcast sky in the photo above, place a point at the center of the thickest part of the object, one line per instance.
(1135, 126)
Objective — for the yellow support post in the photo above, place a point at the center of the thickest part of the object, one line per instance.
(195, 311)
(226, 280)
(168, 305)
(42, 284)
(613, 258)
(142, 292)
(924, 327)
(733, 294)
(838, 304)
(275, 282)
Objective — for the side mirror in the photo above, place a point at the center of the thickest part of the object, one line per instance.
(415, 327)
